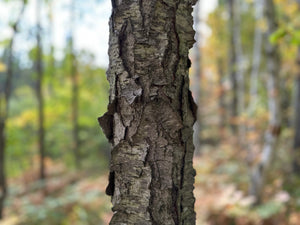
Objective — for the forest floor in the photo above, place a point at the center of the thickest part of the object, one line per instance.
(71, 198)
(68, 197)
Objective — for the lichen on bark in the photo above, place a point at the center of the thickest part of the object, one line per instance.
(151, 112)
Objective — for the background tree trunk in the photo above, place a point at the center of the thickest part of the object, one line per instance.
(75, 90)
(296, 145)
(151, 113)
(296, 161)
(40, 96)
(256, 62)
(256, 57)
(4, 109)
(221, 97)
(260, 171)
(233, 66)
(239, 66)
(3, 186)
(52, 48)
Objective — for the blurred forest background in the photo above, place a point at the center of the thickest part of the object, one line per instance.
(245, 77)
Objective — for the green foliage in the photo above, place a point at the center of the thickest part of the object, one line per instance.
(22, 121)
(4, 43)
(72, 208)
(289, 33)
(295, 38)
(269, 209)
(278, 34)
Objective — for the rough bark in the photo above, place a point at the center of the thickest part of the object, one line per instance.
(75, 91)
(4, 109)
(260, 172)
(296, 145)
(233, 66)
(195, 88)
(39, 92)
(151, 113)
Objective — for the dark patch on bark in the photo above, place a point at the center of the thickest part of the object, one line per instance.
(111, 184)
(106, 121)
(194, 106)
(189, 63)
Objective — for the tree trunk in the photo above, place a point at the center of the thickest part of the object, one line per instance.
(196, 90)
(151, 113)
(296, 145)
(221, 97)
(256, 57)
(236, 68)
(260, 171)
(4, 109)
(233, 67)
(3, 186)
(75, 91)
(256, 61)
(40, 97)
(52, 48)
(296, 161)
(239, 66)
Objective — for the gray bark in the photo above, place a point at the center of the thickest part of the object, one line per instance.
(259, 173)
(4, 109)
(151, 113)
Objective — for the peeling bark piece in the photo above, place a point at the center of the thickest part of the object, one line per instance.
(119, 129)
(106, 121)
(111, 184)
(131, 91)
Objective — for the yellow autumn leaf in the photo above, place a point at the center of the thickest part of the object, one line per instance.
(11, 220)
(2, 104)
(262, 24)
(2, 67)
(27, 117)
